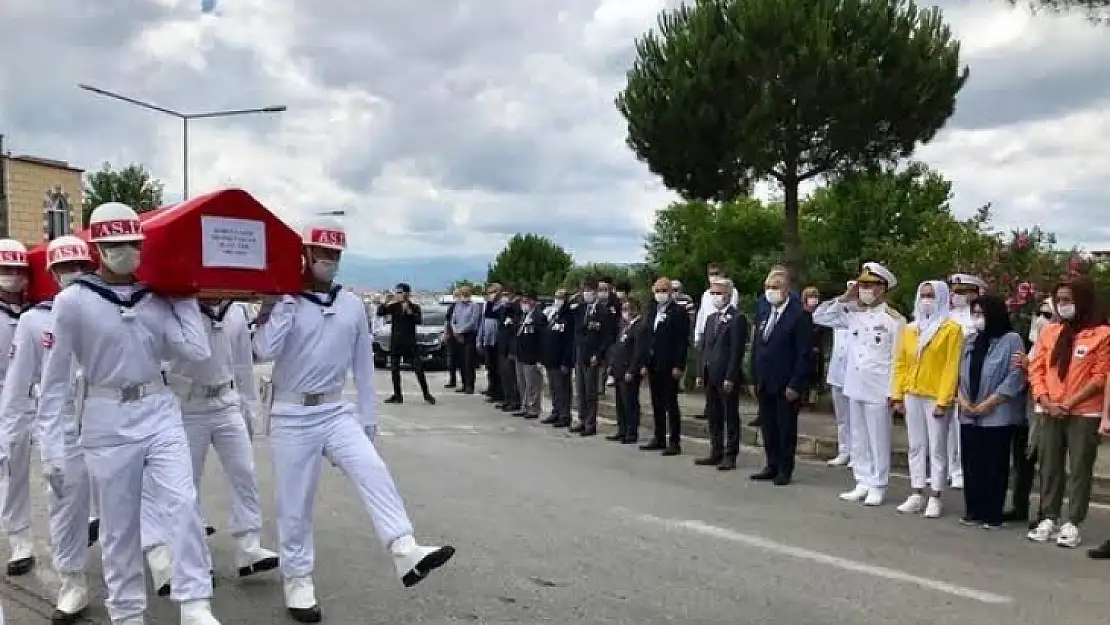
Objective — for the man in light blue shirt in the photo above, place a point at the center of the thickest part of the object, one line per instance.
(466, 320)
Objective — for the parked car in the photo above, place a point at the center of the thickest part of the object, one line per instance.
(429, 338)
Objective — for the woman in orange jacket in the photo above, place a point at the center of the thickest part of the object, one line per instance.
(1067, 375)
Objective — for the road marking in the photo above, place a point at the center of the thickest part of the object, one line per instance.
(765, 544)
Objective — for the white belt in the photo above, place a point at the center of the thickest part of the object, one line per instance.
(309, 399)
(209, 391)
(126, 394)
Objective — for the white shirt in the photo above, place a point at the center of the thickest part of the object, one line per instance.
(24, 368)
(871, 340)
(231, 360)
(963, 317)
(838, 361)
(707, 308)
(313, 348)
(773, 318)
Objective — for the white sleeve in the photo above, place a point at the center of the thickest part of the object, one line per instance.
(363, 369)
(25, 358)
(833, 313)
(699, 321)
(186, 337)
(269, 338)
(57, 380)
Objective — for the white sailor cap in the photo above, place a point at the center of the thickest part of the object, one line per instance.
(874, 272)
(967, 278)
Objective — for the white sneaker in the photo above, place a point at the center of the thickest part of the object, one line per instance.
(840, 461)
(934, 508)
(957, 482)
(73, 597)
(1045, 531)
(251, 558)
(914, 504)
(1069, 536)
(23, 553)
(160, 562)
(197, 612)
(856, 494)
(874, 497)
(300, 599)
(414, 562)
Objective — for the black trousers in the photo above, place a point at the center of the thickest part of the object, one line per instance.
(585, 385)
(664, 407)
(628, 406)
(408, 353)
(1024, 467)
(985, 455)
(454, 361)
(507, 369)
(493, 373)
(722, 411)
(778, 422)
(468, 360)
(561, 385)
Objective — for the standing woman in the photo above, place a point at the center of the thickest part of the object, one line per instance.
(992, 405)
(1067, 375)
(926, 368)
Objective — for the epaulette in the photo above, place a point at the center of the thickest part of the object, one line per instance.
(894, 313)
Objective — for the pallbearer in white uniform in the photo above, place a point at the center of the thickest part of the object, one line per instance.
(118, 332)
(314, 339)
(67, 258)
(15, 421)
(218, 399)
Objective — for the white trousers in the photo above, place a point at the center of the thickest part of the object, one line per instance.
(928, 439)
(69, 515)
(870, 435)
(297, 450)
(130, 476)
(955, 463)
(225, 431)
(15, 506)
(842, 408)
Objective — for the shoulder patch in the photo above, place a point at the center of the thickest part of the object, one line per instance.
(894, 313)
(47, 340)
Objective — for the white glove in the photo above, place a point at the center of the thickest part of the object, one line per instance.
(371, 431)
(53, 476)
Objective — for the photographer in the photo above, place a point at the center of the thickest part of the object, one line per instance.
(404, 316)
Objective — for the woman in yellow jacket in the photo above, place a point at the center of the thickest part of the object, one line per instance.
(926, 370)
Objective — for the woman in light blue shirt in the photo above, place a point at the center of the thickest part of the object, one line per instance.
(992, 405)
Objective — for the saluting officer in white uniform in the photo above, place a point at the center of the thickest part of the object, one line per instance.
(838, 365)
(217, 398)
(131, 431)
(873, 329)
(15, 420)
(67, 258)
(314, 339)
(965, 288)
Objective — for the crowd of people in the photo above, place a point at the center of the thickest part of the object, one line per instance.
(986, 409)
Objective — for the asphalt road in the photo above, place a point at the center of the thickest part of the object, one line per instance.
(555, 529)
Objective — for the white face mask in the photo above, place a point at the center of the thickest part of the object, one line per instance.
(65, 279)
(621, 294)
(867, 296)
(720, 301)
(812, 302)
(526, 307)
(626, 315)
(122, 260)
(589, 296)
(662, 298)
(773, 296)
(324, 270)
(603, 294)
(13, 284)
(504, 299)
(959, 300)
(927, 307)
(560, 302)
(1066, 311)
(979, 323)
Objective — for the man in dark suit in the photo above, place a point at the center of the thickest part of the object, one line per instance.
(454, 353)
(558, 359)
(528, 349)
(761, 308)
(593, 332)
(624, 362)
(508, 319)
(720, 371)
(780, 369)
(487, 342)
(663, 361)
(404, 316)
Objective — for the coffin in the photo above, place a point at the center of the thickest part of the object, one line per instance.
(224, 244)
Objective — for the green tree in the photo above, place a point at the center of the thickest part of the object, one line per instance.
(578, 273)
(474, 286)
(728, 92)
(530, 261)
(133, 185)
(1097, 11)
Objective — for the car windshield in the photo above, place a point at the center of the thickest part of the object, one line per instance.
(434, 316)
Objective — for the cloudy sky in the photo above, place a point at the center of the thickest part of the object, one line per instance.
(445, 126)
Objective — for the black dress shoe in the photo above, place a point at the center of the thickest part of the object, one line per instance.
(653, 446)
(94, 531)
(672, 450)
(428, 399)
(394, 399)
(549, 421)
(65, 618)
(781, 480)
(708, 461)
(22, 566)
(1102, 552)
(450, 385)
(766, 475)
(306, 615)
(460, 389)
(588, 432)
(531, 416)
(560, 424)
(576, 429)
(615, 437)
(728, 464)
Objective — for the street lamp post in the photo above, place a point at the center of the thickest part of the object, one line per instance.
(185, 118)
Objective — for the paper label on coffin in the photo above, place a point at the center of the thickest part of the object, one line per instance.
(232, 243)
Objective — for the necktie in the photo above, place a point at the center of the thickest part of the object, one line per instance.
(770, 323)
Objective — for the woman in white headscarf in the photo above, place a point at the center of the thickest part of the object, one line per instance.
(926, 371)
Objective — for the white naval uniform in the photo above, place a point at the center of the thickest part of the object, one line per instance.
(313, 346)
(131, 430)
(961, 316)
(872, 336)
(15, 435)
(217, 398)
(838, 365)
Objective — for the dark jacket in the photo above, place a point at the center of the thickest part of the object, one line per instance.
(666, 345)
(721, 352)
(594, 331)
(402, 332)
(558, 340)
(625, 357)
(509, 319)
(528, 345)
(783, 360)
(447, 319)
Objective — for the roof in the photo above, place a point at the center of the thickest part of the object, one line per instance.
(43, 162)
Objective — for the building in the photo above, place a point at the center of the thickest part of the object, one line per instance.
(40, 199)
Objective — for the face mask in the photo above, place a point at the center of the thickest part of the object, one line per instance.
(1066, 311)
(927, 306)
(621, 295)
(812, 302)
(774, 296)
(12, 284)
(589, 296)
(626, 315)
(603, 295)
(65, 279)
(719, 300)
(662, 298)
(559, 302)
(504, 299)
(526, 307)
(959, 300)
(324, 270)
(122, 260)
(979, 323)
(867, 296)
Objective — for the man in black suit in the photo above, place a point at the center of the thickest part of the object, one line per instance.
(454, 352)
(624, 364)
(528, 349)
(663, 361)
(593, 333)
(404, 316)
(720, 371)
(558, 358)
(780, 369)
(508, 318)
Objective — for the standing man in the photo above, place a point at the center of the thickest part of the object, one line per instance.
(487, 342)
(873, 328)
(608, 295)
(721, 373)
(715, 272)
(626, 370)
(315, 339)
(593, 330)
(466, 319)
(965, 289)
(558, 359)
(781, 370)
(508, 320)
(529, 346)
(454, 352)
(404, 316)
(666, 340)
(15, 506)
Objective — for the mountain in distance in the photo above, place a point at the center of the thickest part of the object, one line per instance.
(423, 274)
